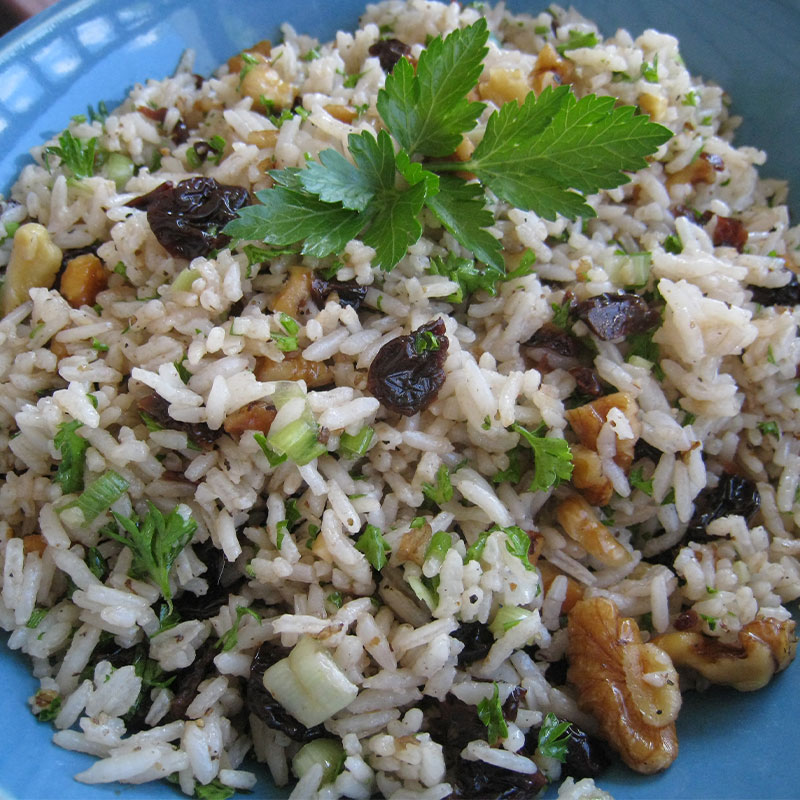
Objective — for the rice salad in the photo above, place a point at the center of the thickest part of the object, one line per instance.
(427, 528)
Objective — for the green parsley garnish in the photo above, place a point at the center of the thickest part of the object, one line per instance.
(97, 564)
(518, 543)
(475, 550)
(552, 458)
(335, 599)
(650, 71)
(490, 713)
(230, 638)
(75, 154)
(576, 40)
(543, 155)
(637, 481)
(49, 713)
(442, 492)
(156, 541)
(69, 475)
(554, 738)
(770, 429)
(36, 617)
(372, 544)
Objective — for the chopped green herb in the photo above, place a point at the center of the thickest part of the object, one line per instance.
(99, 346)
(576, 40)
(184, 373)
(620, 77)
(672, 244)
(192, 158)
(561, 314)
(49, 713)
(770, 356)
(99, 495)
(438, 546)
(97, 564)
(490, 713)
(650, 71)
(770, 429)
(351, 80)
(554, 738)
(313, 532)
(248, 61)
(281, 528)
(335, 599)
(552, 458)
(518, 543)
(213, 791)
(417, 522)
(513, 473)
(100, 115)
(542, 30)
(69, 475)
(534, 156)
(426, 341)
(372, 544)
(311, 55)
(155, 541)
(643, 346)
(230, 638)
(442, 492)
(36, 617)
(637, 481)
(710, 621)
(75, 154)
(356, 445)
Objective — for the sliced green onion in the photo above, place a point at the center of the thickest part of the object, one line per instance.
(273, 457)
(357, 445)
(327, 752)
(186, 277)
(298, 440)
(309, 684)
(289, 324)
(36, 617)
(506, 618)
(437, 549)
(422, 591)
(630, 269)
(97, 564)
(100, 495)
(119, 168)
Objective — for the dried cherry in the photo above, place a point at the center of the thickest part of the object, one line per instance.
(389, 52)
(408, 372)
(349, 293)
(611, 316)
(187, 219)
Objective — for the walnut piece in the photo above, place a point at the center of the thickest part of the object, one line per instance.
(255, 416)
(83, 279)
(765, 646)
(34, 261)
(294, 368)
(581, 524)
(588, 477)
(631, 688)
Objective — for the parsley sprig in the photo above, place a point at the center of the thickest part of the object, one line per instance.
(156, 541)
(543, 155)
(552, 457)
(490, 713)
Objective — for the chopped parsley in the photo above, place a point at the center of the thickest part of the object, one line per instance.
(533, 156)
(576, 40)
(552, 458)
(770, 429)
(637, 481)
(554, 738)
(372, 544)
(230, 638)
(155, 541)
(76, 155)
(490, 713)
(442, 491)
(73, 447)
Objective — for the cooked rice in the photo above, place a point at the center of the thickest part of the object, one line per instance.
(726, 374)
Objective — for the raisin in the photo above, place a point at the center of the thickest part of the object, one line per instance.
(155, 406)
(180, 133)
(557, 340)
(730, 232)
(733, 495)
(611, 316)
(389, 52)
(155, 114)
(349, 293)
(191, 606)
(477, 779)
(587, 381)
(261, 703)
(408, 372)
(187, 681)
(788, 295)
(187, 218)
(511, 705)
(477, 639)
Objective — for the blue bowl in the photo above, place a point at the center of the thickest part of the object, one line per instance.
(81, 52)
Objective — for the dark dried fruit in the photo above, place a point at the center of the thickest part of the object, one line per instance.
(511, 705)
(476, 779)
(556, 340)
(408, 371)
(389, 52)
(187, 681)
(155, 114)
(349, 293)
(261, 703)
(556, 672)
(730, 232)
(205, 606)
(643, 449)
(788, 295)
(700, 217)
(715, 160)
(187, 218)
(733, 495)
(612, 316)
(477, 639)
(587, 381)
(180, 133)
(157, 408)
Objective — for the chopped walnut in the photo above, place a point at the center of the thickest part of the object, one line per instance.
(587, 420)
(343, 113)
(83, 279)
(34, 543)
(255, 416)
(588, 477)
(574, 589)
(414, 544)
(263, 139)
(551, 69)
(294, 368)
(263, 48)
(631, 688)
(581, 524)
(504, 85)
(765, 646)
(35, 261)
(295, 292)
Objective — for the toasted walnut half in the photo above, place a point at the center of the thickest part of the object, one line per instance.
(35, 261)
(581, 524)
(588, 477)
(551, 69)
(294, 368)
(765, 646)
(587, 420)
(295, 292)
(631, 688)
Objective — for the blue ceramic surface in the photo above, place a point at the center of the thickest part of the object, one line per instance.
(81, 52)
